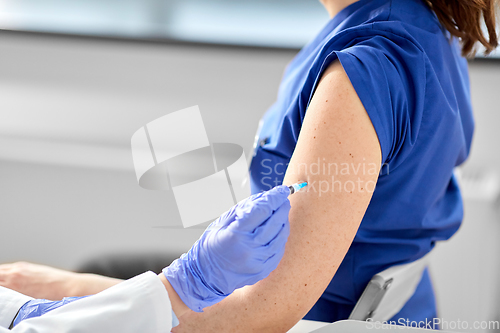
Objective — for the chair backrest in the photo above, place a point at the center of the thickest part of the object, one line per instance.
(388, 291)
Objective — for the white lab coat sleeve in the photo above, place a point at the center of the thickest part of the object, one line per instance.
(140, 304)
(10, 302)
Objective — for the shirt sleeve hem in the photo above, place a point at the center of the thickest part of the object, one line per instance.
(358, 82)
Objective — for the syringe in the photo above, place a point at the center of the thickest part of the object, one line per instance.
(293, 188)
(296, 187)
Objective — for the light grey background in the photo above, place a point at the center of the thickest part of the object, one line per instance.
(69, 106)
(285, 23)
(276, 23)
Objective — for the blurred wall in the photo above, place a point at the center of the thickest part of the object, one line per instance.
(68, 108)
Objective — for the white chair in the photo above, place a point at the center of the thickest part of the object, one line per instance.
(388, 291)
(384, 296)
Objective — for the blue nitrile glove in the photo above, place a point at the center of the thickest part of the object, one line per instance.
(38, 307)
(240, 248)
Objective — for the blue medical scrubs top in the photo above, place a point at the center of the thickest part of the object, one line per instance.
(414, 86)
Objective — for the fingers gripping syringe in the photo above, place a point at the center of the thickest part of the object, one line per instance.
(296, 187)
(293, 189)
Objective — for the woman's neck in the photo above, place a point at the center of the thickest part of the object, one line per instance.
(335, 6)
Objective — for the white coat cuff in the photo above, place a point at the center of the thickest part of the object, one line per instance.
(10, 303)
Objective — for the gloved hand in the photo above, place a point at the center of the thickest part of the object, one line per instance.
(38, 307)
(240, 248)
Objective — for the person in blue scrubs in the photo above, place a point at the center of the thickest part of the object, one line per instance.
(414, 86)
(413, 82)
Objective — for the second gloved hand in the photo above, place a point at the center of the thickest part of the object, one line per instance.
(39, 307)
(240, 248)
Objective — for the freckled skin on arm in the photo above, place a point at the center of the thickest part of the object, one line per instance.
(324, 218)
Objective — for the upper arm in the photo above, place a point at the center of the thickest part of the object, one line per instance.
(339, 155)
(338, 135)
